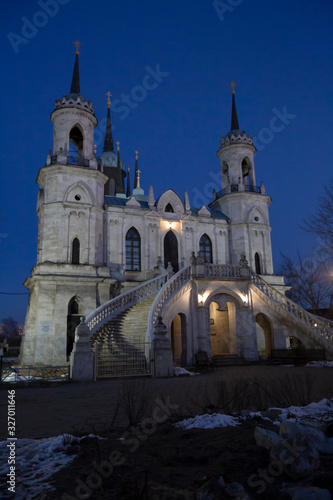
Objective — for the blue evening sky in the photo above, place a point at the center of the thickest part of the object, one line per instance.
(279, 54)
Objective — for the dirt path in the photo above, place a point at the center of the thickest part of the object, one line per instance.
(49, 411)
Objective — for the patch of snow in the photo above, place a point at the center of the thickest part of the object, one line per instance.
(177, 370)
(315, 410)
(208, 421)
(17, 377)
(36, 461)
(320, 364)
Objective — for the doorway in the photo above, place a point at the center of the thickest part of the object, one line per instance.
(171, 251)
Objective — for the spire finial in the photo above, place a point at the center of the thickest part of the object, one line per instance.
(233, 85)
(117, 145)
(108, 102)
(136, 155)
(77, 45)
(138, 178)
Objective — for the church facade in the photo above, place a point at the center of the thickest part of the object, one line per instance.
(126, 283)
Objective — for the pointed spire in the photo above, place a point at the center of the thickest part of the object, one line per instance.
(108, 140)
(234, 119)
(136, 172)
(75, 87)
(118, 155)
(120, 184)
(128, 190)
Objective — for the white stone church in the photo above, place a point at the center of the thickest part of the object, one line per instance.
(129, 284)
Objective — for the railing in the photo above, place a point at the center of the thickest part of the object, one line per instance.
(234, 188)
(104, 313)
(225, 271)
(314, 323)
(70, 160)
(122, 359)
(32, 374)
(169, 289)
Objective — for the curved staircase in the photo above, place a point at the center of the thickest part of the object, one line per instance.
(318, 329)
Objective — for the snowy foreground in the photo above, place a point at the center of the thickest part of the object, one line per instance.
(38, 459)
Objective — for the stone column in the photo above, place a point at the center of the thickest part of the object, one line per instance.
(82, 357)
(162, 352)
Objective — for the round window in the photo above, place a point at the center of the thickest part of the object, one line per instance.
(77, 197)
(256, 218)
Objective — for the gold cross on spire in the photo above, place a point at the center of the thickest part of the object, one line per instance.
(117, 145)
(136, 155)
(233, 85)
(77, 45)
(108, 102)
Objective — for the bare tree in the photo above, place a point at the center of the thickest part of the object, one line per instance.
(321, 224)
(311, 282)
(10, 329)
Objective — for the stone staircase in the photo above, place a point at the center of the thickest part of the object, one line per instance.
(121, 343)
(317, 329)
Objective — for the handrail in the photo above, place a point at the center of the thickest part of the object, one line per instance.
(314, 323)
(125, 300)
(171, 287)
(225, 271)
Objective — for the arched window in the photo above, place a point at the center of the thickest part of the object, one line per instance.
(257, 263)
(76, 142)
(76, 252)
(169, 208)
(133, 250)
(205, 247)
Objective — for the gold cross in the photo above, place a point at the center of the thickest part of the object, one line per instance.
(108, 102)
(128, 169)
(233, 85)
(77, 45)
(117, 145)
(95, 148)
(136, 154)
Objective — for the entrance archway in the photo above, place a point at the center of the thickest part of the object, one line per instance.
(264, 335)
(171, 251)
(222, 314)
(73, 320)
(179, 340)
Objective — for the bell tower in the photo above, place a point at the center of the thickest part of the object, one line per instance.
(70, 278)
(245, 203)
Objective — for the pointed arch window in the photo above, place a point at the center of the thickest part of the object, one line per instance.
(169, 208)
(257, 263)
(133, 250)
(76, 251)
(205, 247)
(75, 142)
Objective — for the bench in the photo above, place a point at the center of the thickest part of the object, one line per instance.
(297, 356)
(203, 361)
